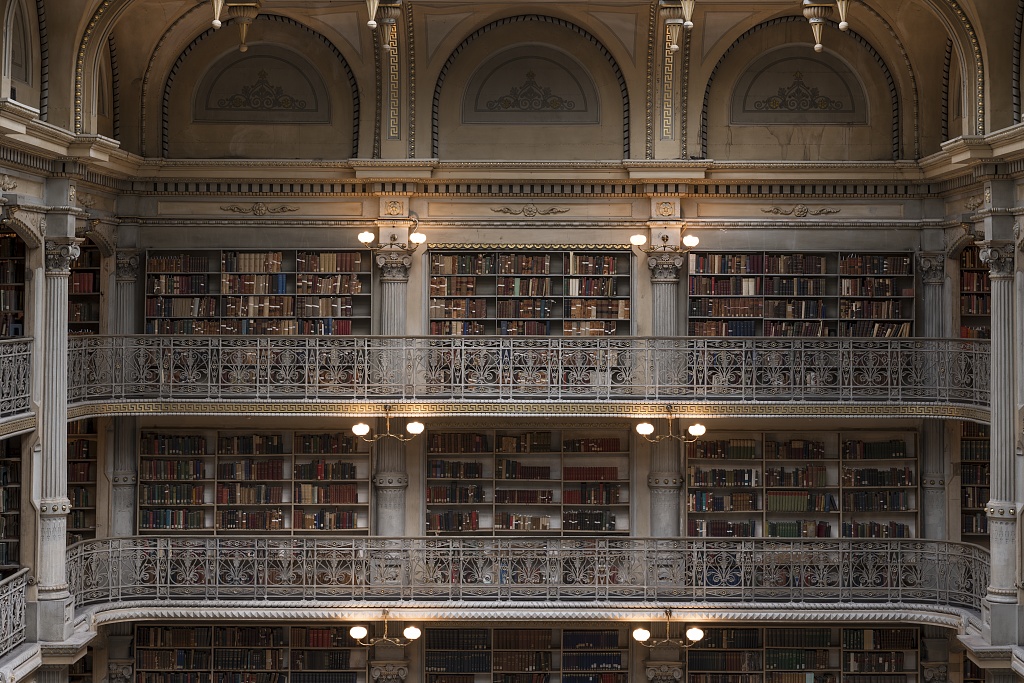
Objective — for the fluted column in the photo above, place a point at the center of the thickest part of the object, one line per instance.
(124, 476)
(391, 477)
(934, 520)
(664, 480)
(50, 673)
(1002, 508)
(54, 598)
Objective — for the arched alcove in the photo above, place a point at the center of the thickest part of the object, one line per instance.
(22, 55)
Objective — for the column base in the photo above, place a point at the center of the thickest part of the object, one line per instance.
(1004, 623)
(54, 618)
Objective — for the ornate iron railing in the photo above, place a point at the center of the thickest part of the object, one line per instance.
(552, 570)
(15, 377)
(310, 369)
(13, 619)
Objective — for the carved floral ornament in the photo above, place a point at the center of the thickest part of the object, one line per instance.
(59, 255)
(998, 257)
(800, 211)
(260, 209)
(530, 210)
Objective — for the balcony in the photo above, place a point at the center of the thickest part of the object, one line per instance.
(550, 577)
(491, 375)
(13, 613)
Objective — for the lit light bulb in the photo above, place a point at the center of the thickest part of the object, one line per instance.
(645, 429)
(690, 241)
(358, 632)
(638, 240)
(697, 429)
(412, 633)
(366, 237)
(414, 427)
(361, 429)
(694, 633)
(641, 635)
(417, 238)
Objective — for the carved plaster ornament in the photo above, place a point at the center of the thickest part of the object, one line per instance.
(260, 209)
(86, 200)
(72, 194)
(530, 210)
(973, 203)
(932, 266)
(999, 258)
(388, 672)
(127, 266)
(60, 254)
(800, 211)
(394, 208)
(7, 183)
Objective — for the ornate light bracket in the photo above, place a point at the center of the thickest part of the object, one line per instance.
(664, 259)
(394, 257)
(679, 16)
(242, 10)
(818, 12)
(694, 635)
(693, 432)
(361, 430)
(359, 634)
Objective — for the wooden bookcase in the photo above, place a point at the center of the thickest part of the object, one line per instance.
(84, 298)
(548, 481)
(526, 655)
(83, 450)
(802, 485)
(975, 296)
(285, 292)
(530, 292)
(804, 655)
(974, 481)
(10, 504)
(259, 653)
(12, 286)
(228, 481)
(82, 670)
(789, 294)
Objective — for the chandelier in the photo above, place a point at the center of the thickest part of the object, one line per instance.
(693, 432)
(360, 632)
(694, 635)
(413, 429)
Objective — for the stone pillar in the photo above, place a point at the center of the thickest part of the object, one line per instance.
(124, 476)
(50, 673)
(55, 604)
(1002, 506)
(934, 517)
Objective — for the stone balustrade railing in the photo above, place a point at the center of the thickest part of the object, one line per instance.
(550, 570)
(13, 617)
(830, 371)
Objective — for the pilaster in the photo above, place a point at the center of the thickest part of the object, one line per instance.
(934, 476)
(664, 482)
(49, 673)
(124, 477)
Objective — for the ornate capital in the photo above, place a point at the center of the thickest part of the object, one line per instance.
(120, 671)
(932, 265)
(998, 256)
(665, 266)
(394, 264)
(664, 672)
(127, 266)
(389, 672)
(59, 255)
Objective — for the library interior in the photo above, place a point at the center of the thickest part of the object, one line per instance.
(455, 341)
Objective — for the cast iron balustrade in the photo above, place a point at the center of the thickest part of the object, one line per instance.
(837, 371)
(15, 377)
(13, 619)
(932, 575)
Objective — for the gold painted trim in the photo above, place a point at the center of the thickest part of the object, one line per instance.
(18, 426)
(507, 247)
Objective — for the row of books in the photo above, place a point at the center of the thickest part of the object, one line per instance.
(172, 636)
(172, 494)
(810, 476)
(332, 284)
(698, 476)
(800, 529)
(514, 469)
(251, 261)
(873, 476)
(878, 450)
(249, 494)
(303, 636)
(878, 501)
(872, 286)
(178, 263)
(328, 494)
(337, 520)
(276, 283)
(177, 284)
(704, 501)
(83, 283)
(800, 501)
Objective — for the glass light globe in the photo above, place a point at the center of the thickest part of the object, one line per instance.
(638, 240)
(690, 241)
(412, 633)
(641, 635)
(361, 429)
(697, 429)
(645, 429)
(358, 632)
(414, 427)
(417, 238)
(694, 634)
(366, 237)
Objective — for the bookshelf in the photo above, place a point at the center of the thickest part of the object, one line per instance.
(12, 286)
(256, 653)
(511, 481)
(975, 296)
(81, 671)
(972, 672)
(227, 481)
(530, 292)
(83, 449)
(974, 481)
(526, 655)
(84, 292)
(789, 294)
(802, 485)
(804, 655)
(285, 292)
(10, 504)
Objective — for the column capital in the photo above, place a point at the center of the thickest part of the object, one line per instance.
(127, 265)
(121, 670)
(665, 266)
(932, 265)
(999, 257)
(664, 672)
(394, 264)
(389, 672)
(60, 252)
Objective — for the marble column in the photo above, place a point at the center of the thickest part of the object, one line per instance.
(391, 477)
(1001, 507)
(55, 604)
(124, 477)
(934, 477)
(664, 480)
